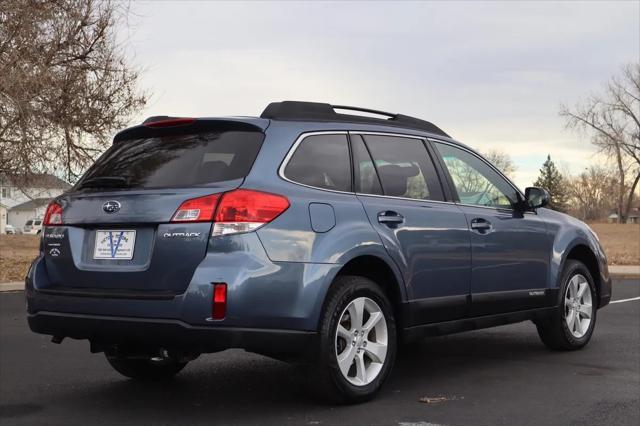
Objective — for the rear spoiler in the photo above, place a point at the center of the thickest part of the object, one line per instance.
(171, 126)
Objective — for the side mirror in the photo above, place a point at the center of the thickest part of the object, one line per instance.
(535, 197)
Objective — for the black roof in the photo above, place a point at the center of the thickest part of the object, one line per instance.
(315, 111)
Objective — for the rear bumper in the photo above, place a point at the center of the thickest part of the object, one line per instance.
(173, 334)
(260, 293)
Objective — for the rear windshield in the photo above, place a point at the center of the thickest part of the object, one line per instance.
(175, 160)
(29, 223)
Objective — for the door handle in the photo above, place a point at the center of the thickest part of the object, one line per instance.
(481, 225)
(390, 218)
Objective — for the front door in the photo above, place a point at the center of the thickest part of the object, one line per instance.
(510, 248)
(427, 238)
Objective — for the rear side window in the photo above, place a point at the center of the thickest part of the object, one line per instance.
(321, 161)
(366, 178)
(175, 160)
(37, 222)
(404, 167)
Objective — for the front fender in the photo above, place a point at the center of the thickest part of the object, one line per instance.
(571, 234)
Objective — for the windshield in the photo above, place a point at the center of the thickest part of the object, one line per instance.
(175, 160)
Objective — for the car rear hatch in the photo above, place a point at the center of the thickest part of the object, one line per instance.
(138, 222)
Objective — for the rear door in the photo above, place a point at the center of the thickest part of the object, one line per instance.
(119, 232)
(510, 248)
(397, 184)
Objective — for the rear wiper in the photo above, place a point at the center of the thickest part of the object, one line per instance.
(105, 182)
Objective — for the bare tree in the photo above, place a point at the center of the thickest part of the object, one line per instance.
(65, 87)
(612, 120)
(502, 161)
(591, 192)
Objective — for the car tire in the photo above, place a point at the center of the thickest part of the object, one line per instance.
(571, 325)
(355, 359)
(146, 369)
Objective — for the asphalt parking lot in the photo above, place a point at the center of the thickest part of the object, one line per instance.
(495, 376)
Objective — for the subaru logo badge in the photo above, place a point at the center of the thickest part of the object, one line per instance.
(111, 206)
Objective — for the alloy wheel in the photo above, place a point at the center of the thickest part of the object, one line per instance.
(578, 306)
(361, 341)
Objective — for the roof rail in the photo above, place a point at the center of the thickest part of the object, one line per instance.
(315, 111)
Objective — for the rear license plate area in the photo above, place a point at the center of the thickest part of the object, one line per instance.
(114, 244)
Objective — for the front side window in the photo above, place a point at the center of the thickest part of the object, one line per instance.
(475, 181)
(404, 167)
(321, 161)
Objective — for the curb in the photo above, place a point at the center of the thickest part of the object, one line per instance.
(12, 286)
(625, 276)
(624, 271)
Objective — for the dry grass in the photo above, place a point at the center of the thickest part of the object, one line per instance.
(16, 254)
(621, 243)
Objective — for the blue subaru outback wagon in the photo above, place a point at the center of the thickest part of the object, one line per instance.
(311, 233)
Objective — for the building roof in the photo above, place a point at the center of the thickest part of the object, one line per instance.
(35, 180)
(32, 204)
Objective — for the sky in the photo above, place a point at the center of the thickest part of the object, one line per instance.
(491, 74)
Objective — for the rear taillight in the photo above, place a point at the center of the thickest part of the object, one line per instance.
(246, 210)
(197, 209)
(242, 210)
(219, 305)
(53, 215)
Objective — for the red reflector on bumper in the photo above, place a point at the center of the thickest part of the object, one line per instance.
(219, 308)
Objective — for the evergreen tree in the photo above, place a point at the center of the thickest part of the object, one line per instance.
(552, 180)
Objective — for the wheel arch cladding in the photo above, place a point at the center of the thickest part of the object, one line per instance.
(380, 272)
(583, 253)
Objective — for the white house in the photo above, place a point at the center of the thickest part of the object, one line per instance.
(21, 192)
(20, 214)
